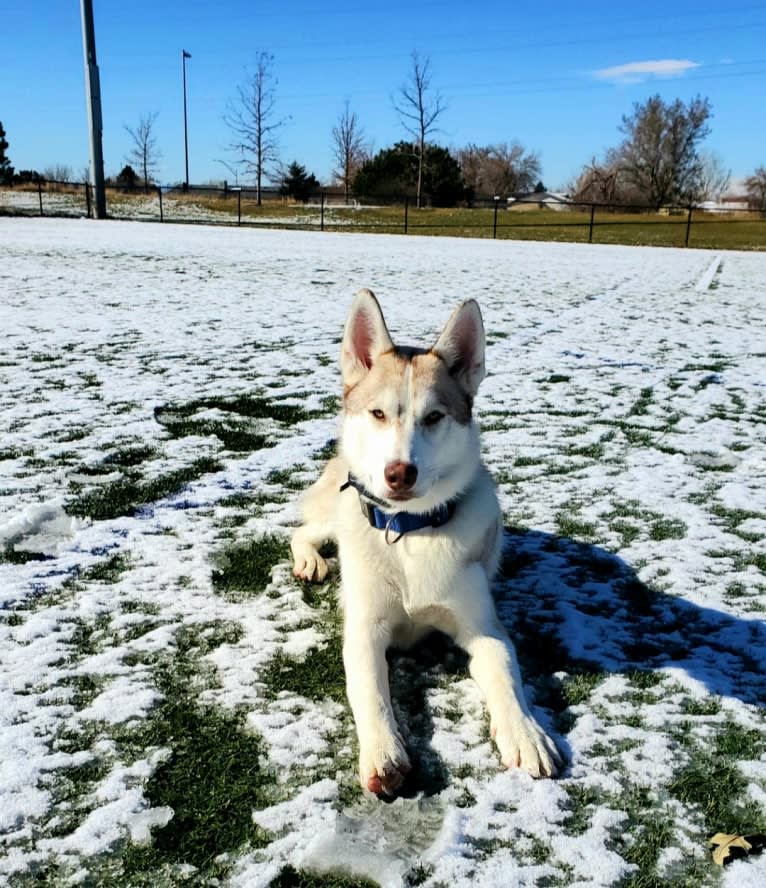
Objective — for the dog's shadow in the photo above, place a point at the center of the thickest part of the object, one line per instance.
(577, 609)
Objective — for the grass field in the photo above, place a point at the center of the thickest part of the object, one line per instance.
(172, 703)
(735, 231)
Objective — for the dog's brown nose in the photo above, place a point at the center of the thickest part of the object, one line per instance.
(401, 476)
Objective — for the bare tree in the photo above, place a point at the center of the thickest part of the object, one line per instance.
(349, 148)
(755, 186)
(660, 156)
(599, 182)
(499, 170)
(58, 172)
(419, 109)
(713, 177)
(145, 154)
(253, 120)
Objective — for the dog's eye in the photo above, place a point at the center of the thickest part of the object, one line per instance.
(433, 417)
(378, 414)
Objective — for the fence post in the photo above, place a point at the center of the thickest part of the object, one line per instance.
(321, 213)
(159, 193)
(239, 207)
(688, 226)
(406, 208)
(590, 228)
(87, 198)
(494, 221)
(40, 194)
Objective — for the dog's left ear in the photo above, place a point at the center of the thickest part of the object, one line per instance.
(461, 346)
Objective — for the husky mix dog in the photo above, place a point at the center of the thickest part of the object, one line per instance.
(419, 533)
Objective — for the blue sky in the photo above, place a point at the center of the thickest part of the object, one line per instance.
(555, 76)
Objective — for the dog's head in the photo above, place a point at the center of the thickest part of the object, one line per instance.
(408, 433)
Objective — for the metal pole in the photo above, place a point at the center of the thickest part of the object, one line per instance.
(159, 194)
(321, 228)
(688, 226)
(93, 97)
(184, 56)
(239, 207)
(590, 229)
(494, 222)
(87, 199)
(40, 194)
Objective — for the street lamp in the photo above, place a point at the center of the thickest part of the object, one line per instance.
(184, 56)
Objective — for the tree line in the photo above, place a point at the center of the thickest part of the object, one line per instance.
(659, 161)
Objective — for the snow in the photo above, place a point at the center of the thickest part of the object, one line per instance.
(625, 393)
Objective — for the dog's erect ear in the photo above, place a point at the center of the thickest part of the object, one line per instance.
(461, 346)
(365, 337)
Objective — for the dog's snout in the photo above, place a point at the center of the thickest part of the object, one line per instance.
(401, 476)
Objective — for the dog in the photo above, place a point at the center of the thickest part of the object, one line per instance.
(419, 531)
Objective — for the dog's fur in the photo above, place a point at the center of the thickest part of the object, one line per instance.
(405, 408)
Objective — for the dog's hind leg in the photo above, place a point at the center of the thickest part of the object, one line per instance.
(318, 509)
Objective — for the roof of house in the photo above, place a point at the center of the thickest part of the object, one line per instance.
(539, 197)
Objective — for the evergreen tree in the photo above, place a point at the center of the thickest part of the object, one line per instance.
(298, 183)
(393, 173)
(6, 170)
(127, 178)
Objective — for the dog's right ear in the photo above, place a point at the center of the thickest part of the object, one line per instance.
(365, 338)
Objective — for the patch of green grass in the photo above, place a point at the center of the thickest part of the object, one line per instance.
(88, 635)
(736, 590)
(629, 532)
(9, 555)
(732, 518)
(214, 777)
(582, 801)
(127, 457)
(126, 496)
(327, 451)
(236, 431)
(708, 706)
(636, 436)
(641, 406)
(754, 559)
(290, 877)
(244, 569)
(591, 451)
(14, 453)
(285, 477)
(108, 571)
(712, 781)
(578, 688)
(318, 676)
(644, 679)
(667, 529)
(570, 526)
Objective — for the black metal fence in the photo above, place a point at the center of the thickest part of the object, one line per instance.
(327, 210)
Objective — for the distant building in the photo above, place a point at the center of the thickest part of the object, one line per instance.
(543, 200)
(727, 203)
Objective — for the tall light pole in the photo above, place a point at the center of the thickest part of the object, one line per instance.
(184, 56)
(93, 97)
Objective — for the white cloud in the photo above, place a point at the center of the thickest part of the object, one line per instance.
(638, 72)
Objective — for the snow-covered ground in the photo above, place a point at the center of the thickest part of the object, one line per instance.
(165, 393)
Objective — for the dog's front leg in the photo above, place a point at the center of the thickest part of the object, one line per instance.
(383, 761)
(520, 740)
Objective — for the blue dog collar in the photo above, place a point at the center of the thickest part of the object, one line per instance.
(374, 510)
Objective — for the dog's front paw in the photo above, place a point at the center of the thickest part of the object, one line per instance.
(383, 765)
(522, 743)
(309, 565)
